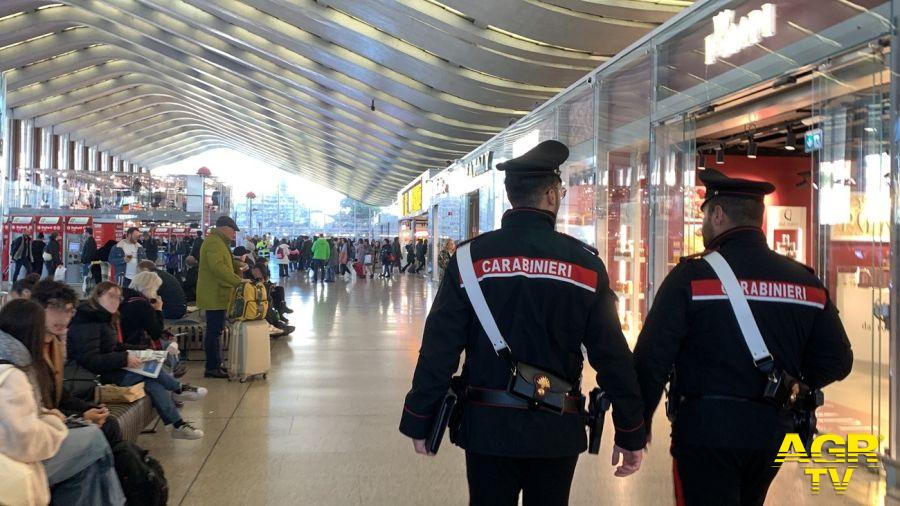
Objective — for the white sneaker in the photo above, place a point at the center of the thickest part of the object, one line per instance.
(190, 393)
(187, 431)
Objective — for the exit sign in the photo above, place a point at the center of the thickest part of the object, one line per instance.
(812, 140)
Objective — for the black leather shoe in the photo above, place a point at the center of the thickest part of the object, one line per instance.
(218, 373)
(287, 310)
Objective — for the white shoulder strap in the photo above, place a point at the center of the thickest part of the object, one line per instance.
(476, 297)
(745, 319)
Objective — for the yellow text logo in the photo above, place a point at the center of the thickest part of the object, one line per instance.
(826, 453)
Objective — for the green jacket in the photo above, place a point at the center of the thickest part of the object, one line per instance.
(321, 249)
(217, 276)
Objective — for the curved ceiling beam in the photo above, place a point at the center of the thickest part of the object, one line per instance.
(376, 145)
(83, 95)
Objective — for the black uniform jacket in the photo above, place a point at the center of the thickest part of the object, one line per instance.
(692, 327)
(549, 294)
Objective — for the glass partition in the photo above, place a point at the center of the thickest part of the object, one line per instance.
(575, 124)
(623, 143)
(853, 230)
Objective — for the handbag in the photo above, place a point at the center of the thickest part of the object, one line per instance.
(539, 388)
(21, 483)
(79, 382)
(47, 256)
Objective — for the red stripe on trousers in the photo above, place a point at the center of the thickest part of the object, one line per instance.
(679, 492)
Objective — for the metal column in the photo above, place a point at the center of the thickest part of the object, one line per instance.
(891, 462)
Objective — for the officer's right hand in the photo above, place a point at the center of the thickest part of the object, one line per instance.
(419, 445)
(631, 461)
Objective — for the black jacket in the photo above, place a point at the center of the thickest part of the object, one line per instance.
(93, 342)
(26, 251)
(151, 248)
(141, 324)
(89, 250)
(171, 292)
(190, 284)
(692, 327)
(37, 251)
(52, 247)
(549, 294)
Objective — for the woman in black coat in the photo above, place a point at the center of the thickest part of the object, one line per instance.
(94, 342)
(37, 254)
(53, 248)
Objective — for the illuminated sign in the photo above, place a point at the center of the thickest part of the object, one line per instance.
(411, 200)
(812, 141)
(729, 38)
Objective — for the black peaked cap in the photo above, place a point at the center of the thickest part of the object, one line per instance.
(720, 185)
(542, 160)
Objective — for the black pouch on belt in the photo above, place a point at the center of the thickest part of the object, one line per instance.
(541, 389)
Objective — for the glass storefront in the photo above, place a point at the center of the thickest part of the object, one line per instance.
(796, 92)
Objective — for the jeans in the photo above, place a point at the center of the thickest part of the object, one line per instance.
(19, 264)
(158, 390)
(215, 324)
(85, 270)
(83, 471)
(283, 270)
(318, 265)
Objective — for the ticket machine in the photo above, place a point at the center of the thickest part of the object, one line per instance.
(13, 228)
(75, 226)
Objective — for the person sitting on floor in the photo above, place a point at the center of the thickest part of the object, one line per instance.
(95, 344)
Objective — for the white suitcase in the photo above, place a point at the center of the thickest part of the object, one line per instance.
(248, 351)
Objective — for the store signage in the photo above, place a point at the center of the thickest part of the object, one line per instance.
(412, 200)
(480, 164)
(812, 141)
(729, 38)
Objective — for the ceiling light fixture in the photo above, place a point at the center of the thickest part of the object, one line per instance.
(720, 154)
(790, 143)
(751, 146)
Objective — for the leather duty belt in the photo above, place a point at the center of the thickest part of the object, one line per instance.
(503, 399)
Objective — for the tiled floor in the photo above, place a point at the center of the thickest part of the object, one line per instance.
(322, 430)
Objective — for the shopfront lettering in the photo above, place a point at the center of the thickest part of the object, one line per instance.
(480, 164)
(729, 38)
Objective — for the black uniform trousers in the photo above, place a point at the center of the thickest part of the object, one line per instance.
(497, 481)
(706, 475)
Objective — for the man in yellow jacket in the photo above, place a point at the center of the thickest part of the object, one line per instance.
(218, 277)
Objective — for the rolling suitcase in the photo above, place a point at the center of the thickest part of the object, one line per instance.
(248, 353)
(358, 267)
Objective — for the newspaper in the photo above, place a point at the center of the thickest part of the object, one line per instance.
(151, 362)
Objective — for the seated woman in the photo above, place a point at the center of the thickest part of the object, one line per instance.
(77, 463)
(260, 273)
(94, 343)
(142, 319)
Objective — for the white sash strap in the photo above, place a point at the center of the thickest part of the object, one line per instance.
(476, 297)
(745, 319)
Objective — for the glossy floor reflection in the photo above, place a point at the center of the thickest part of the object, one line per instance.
(322, 430)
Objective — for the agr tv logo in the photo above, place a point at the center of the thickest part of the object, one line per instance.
(826, 453)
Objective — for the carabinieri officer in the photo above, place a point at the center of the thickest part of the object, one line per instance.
(726, 430)
(549, 295)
